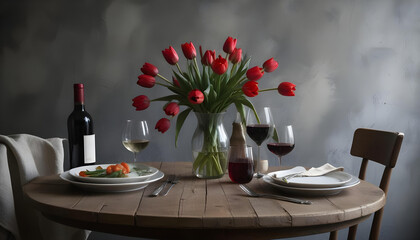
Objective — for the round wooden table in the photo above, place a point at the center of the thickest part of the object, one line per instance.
(201, 209)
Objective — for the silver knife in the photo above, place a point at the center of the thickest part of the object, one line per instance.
(173, 182)
(163, 185)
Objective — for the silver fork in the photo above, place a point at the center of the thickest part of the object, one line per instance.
(283, 198)
(162, 186)
(172, 182)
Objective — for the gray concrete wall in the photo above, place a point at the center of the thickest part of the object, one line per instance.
(355, 64)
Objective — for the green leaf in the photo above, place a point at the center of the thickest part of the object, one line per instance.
(183, 82)
(176, 90)
(205, 81)
(247, 103)
(241, 110)
(194, 73)
(275, 135)
(221, 83)
(190, 73)
(212, 98)
(180, 121)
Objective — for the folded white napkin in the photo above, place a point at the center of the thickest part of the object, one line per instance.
(313, 172)
(319, 171)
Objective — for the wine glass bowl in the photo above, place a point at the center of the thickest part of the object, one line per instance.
(258, 132)
(241, 166)
(283, 142)
(136, 136)
(259, 127)
(135, 145)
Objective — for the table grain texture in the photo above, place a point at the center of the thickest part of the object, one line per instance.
(197, 208)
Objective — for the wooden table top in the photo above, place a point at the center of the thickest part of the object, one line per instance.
(196, 207)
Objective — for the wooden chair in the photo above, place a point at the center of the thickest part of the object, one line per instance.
(382, 147)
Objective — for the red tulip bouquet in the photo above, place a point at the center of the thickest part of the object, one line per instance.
(209, 89)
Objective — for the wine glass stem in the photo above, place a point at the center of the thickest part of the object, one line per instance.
(258, 170)
(135, 157)
(280, 161)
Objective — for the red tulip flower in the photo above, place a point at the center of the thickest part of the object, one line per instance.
(287, 89)
(141, 102)
(219, 65)
(195, 96)
(171, 109)
(230, 45)
(208, 57)
(189, 50)
(254, 73)
(150, 69)
(170, 55)
(146, 81)
(175, 81)
(250, 88)
(163, 125)
(270, 65)
(236, 56)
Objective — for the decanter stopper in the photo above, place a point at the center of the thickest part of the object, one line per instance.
(238, 132)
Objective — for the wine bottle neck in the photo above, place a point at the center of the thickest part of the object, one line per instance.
(79, 106)
(79, 95)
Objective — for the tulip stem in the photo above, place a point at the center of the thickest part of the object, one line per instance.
(162, 77)
(233, 69)
(162, 84)
(196, 68)
(242, 79)
(269, 89)
(179, 69)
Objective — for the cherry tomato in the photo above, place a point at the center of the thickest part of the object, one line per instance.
(117, 167)
(109, 169)
(125, 165)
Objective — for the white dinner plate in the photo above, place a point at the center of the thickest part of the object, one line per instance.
(312, 191)
(144, 173)
(333, 179)
(114, 187)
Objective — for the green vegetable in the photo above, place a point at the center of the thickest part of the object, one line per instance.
(141, 172)
(115, 174)
(95, 172)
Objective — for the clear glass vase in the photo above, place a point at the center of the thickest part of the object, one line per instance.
(210, 145)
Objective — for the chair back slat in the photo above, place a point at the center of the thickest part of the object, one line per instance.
(380, 146)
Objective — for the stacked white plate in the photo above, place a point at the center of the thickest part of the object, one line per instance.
(328, 184)
(135, 180)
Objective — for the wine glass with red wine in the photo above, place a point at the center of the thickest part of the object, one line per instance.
(259, 128)
(135, 137)
(241, 165)
(283, 143)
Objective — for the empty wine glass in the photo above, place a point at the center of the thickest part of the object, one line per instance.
(135, 136)
(259, 128)
(283, 142)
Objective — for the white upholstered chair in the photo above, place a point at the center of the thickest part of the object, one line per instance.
(24, 157)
